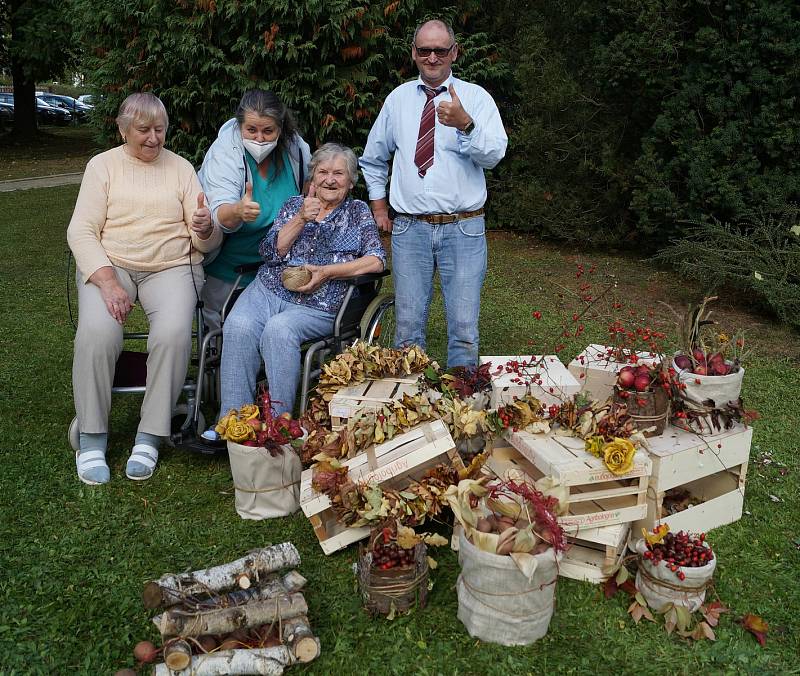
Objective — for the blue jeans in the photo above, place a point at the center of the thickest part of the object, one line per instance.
(264, 326)
(458, 250)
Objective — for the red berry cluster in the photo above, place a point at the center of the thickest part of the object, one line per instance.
(680, 550)
(386, 553)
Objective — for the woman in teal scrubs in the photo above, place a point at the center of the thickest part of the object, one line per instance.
(256, 163)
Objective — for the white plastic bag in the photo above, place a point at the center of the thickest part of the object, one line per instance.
(719, 389)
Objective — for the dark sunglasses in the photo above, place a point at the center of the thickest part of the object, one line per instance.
(440, 52)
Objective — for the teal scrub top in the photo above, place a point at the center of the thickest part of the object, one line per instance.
(241, 247)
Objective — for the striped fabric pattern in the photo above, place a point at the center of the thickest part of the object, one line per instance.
(423, 157)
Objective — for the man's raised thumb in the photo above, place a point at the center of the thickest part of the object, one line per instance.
(201, 198)
(453, 94)
(248, 192)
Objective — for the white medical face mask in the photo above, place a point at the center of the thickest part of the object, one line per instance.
(258, 151)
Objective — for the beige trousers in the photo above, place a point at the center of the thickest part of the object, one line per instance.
(168, 298)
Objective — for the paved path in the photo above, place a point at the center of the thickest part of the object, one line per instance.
(41, 182)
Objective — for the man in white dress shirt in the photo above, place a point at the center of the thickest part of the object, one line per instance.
(443, 132)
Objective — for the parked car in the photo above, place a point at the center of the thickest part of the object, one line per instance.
(79, 110)
(6, 113)
(45, 113)
(87, 99)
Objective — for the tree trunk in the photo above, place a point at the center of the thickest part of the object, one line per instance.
(263, 661)
(178, 622)
(170, 590)
(25, 124)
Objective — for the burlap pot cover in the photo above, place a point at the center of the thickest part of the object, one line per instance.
(719, 389)
(660, 586)
(266, 487)
(496, 602)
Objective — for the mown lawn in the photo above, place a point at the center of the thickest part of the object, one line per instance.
(74, 557)
(57, 150)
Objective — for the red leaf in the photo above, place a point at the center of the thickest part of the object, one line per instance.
(638, 611)
(756, 626)
(712, 611)
(610, 586)
(629, 587)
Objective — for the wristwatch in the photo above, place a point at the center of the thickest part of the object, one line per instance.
(469, 128)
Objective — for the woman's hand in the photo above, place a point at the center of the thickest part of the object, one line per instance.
(201, 219)
(114, 295)
(311, 206)
(319, 275)
(247, 209)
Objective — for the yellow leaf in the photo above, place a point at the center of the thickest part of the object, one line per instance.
(432, 563)
(656, 537)
(435, 540)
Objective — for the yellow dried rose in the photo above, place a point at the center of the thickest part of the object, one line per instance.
(618, 455)
(240, 431)
(248, 412)
(594, 445)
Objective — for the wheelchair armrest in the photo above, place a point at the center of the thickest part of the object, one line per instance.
(367, 278)
(247, 267)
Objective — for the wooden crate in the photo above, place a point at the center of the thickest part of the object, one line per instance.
(712, 469)
(596, 374)
(369, 395)
(592, 551)
(558, 384)
(597, 497)
(392, 464)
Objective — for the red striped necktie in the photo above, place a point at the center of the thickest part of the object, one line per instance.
(423, 157)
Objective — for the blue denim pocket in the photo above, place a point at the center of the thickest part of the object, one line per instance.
(473, 227)
(400, 225)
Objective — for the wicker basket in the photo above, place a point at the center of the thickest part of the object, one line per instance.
(653, 412)
(397, 589)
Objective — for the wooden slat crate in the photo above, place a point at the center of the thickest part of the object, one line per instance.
(712, 469)
(592, 551)
(596, 374)
(557, 385)
(392, 464)
(369, 395)
(597, 497)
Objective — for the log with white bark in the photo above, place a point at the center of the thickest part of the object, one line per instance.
(178, 622)
(261, 661)
(300, 639)
(177, 655)
(170, 589)
(288, 584)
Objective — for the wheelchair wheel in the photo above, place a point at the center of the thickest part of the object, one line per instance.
(380, 328)
(179, 414)
(74, 434)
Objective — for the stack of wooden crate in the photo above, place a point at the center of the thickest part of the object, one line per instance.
(370, 395)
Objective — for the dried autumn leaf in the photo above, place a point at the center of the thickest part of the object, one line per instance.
(637, 611)
(704, 630)
(656, 537)
(670, 619)
(756, 626)
(432, 564)
(622, 575)
(435, 540)
(712, 611)
(407, 538)
(684, 618)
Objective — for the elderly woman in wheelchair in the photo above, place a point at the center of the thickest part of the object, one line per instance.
(335, 237)
(139, 230)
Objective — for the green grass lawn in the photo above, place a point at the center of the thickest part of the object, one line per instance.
(74, 558)
(57, 150)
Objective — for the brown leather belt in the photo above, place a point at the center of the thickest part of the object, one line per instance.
(442, 219)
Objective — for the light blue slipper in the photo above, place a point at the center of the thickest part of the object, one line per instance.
(92, 467)
(142, 463)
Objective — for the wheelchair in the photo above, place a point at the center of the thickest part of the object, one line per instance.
(366, 313)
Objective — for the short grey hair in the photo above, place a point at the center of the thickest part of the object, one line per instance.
(330, 151)
(443, 24)
(141, 106)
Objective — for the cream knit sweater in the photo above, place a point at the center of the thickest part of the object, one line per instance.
(136, 214)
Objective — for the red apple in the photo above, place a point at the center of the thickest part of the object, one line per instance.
(699, 356)
(642, 370)
(642, 383)
(720, 369)
(626, 379)
(701, 370)
(683, 362)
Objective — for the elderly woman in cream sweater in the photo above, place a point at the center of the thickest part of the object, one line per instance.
(139, 230)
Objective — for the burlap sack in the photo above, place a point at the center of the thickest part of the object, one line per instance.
(496, 602)
(266, 487)
(719, 389)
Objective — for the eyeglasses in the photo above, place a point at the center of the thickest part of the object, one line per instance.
(440, 52)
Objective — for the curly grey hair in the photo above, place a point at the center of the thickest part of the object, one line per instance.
(329, 151)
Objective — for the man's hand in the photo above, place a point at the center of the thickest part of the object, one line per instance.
(311, 205)
(201, 219)
(246, 209)
(318, 277)
(452, 113)
(380, 212)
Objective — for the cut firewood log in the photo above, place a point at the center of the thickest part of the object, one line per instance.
(179, 622)
(177, 655)
(288, 584)
(170, 589)
(261, 661)
(300, 639)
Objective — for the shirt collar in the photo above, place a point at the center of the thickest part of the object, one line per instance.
(446, 84)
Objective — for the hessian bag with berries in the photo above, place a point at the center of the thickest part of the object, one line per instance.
(660, 586)
(497, 603)
(266, 486)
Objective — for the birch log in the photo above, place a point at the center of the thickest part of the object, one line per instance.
(170, 589)
(177, 655)
(300, 639)
(261, 661)
(177, 622)
(288, 584)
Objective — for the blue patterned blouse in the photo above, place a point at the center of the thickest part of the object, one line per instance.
(347, 233)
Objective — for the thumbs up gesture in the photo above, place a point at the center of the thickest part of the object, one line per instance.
(311, 205)
(248, 210)
(451, 113)
(201, 218)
